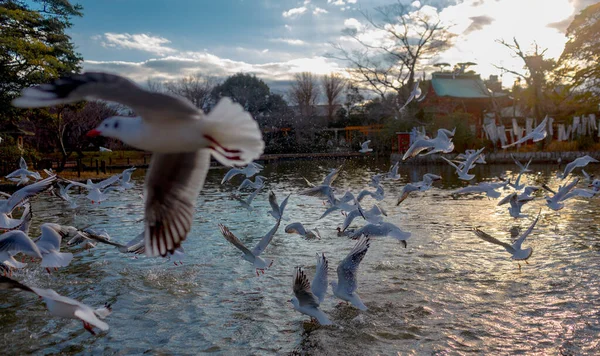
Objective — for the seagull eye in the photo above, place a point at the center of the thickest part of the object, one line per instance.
(105, 125)
(116, 124)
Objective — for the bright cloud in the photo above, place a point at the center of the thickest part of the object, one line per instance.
(336, 2)
(177, 66)
(318, 11)
(293, 42)
(141, 41)
(352, 23)
(291, 13)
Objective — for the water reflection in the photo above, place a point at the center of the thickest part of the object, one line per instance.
(448, 292)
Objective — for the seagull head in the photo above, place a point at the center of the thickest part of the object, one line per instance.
(115, 127)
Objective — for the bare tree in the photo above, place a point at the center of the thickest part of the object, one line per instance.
(407, 37)
(333, 84)
(536, 70)
(197, 88)
(304, 93)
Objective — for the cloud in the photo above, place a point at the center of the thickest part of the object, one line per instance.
(352, 23)
(297, 11)
(318, 11)
(478, 23)
(277, 74)
(292, 42)
(140, 41)
(336, 2)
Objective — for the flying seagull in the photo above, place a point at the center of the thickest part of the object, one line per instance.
(181, 137)
(517, 253)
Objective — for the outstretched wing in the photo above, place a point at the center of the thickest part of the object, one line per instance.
(302, 290)
(486, 237)
(348, 268)
(416, 148)
(172, 185)
(229, 236)
(28, 191)
(319, 283)
(230, 174)
(517, 244)
(88, 86)
(266, 240)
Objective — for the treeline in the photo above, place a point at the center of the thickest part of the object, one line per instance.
(35, 48)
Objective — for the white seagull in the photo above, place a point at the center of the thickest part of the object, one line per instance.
(415, 93)
(364, 147)
(537, 134)
(298, 228)
(49, 245)
(252, 256)
(424, 185)
(516, 203)
(442, 143)
(346, 285)
(489, 188)
(251, 169)
(382, 230)
(97, 191)
(259, 182)
(14, 242)
(304, 300)
(277, 209)
(579, 162)
(21, 175)
(65, 307)
(17, 198)
(378, 194)
(393, 173)
(323, 190)
(463, 168)
(63, 193)
(515, 249)
(567, 191)
(181, 157)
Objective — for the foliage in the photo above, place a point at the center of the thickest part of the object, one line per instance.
(33, 47)
(248, 90)
(11, 153)
(581, 57)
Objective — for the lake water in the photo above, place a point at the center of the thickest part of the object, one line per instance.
(447, 293)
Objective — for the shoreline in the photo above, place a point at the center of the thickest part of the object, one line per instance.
(502, 157)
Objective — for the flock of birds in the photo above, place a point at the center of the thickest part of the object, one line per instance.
(176, 175)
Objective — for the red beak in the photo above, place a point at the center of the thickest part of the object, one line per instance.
(93, 133)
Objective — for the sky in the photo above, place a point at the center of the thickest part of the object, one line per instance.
(169, 39)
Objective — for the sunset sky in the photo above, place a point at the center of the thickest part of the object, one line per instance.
(276, 38)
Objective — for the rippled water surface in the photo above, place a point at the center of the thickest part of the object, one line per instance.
(447, 293)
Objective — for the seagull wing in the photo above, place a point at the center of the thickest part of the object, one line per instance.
(229, 236)
(28, 191)
(507, 199)
(302, 290)
(231, 173)
(295, 228)
(16, 241)
(319, 283)
(416, 148)
(172, 185)
(348, 268)
(151, 106)
(266, 240)
(50, 239)
(486, 237)
(517, 244)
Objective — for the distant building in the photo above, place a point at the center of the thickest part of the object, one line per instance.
(451, 92)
